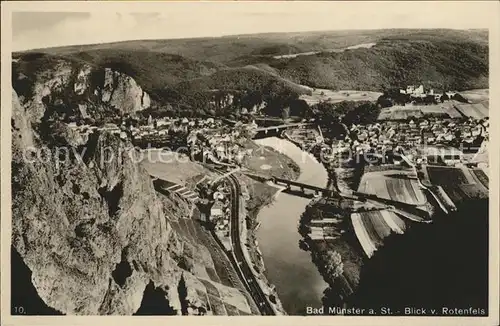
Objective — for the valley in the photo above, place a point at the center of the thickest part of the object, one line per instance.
(251, 174)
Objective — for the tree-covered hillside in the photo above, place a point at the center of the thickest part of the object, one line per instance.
(179, 73)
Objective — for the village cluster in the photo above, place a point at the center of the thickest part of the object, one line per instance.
(206, 139)
(420, 91)
(448, 134)
(388, 135)
(221, 145)
(220, 212)
(447, 138)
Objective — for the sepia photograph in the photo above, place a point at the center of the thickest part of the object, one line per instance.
(250, 159)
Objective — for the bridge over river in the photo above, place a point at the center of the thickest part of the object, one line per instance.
(275, 130)
(410, 211)
(297, 187)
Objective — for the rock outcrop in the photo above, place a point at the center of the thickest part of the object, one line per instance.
(86, 219)
(76, 90)
(122, 92)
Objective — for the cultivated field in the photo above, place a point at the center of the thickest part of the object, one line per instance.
(173, 167)
(330, 96)
(449, 108)
(372, 227)
(459, 193)
(476, 111)
(459, 183)
(476, 95)
(482, 177)
(208, 262)
(399, 112)
(443, 175)
(393, 185)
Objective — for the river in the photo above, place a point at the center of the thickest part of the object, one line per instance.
(288, 267)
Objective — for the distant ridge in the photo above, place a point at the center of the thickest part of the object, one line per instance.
(172, 70)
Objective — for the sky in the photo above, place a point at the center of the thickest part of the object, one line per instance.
(87, 24)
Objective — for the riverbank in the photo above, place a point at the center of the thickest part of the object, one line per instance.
(265, 161)
(288, 267)
(253, 255)
(339, 246)
(256, 195)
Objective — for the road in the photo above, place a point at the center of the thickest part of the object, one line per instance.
(246, 275)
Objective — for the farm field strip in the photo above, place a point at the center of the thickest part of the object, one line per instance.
(452, 112)
(439, 110)
(393, 221)
(374, 183)
(431, 109)
(231, 310)
(446, 175)
(331, 96)
(445, 198)
(213, 274)
(455, 193)
(477, 95)
(399, 113)
(458, 183)
(392, 189)
(481, 177)
(362, 235)
(211, 289)
(469, 176)
(370, 230)
(474, 190)
(381, 227)
(477, 111)
(217, 305)
(417, 190)
(401, 189)
(223, 267)
(214, 300)
(220, 261)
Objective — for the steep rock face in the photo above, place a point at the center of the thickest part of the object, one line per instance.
(86, 219)
(75, 221)
(121, 91)
(76, 90)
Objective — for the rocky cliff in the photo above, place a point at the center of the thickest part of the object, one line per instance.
(75, 89)
(86, 219)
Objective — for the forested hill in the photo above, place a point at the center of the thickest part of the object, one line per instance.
(170, 70)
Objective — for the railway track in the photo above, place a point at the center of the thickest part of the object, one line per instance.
(246, 275)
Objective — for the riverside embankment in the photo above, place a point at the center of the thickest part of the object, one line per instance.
(297, 280)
